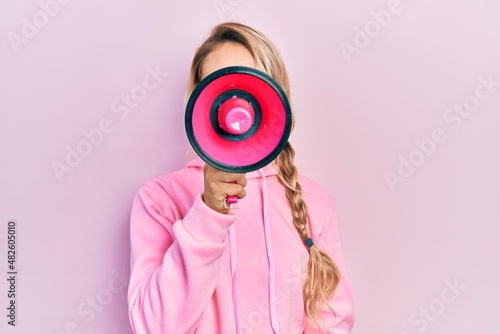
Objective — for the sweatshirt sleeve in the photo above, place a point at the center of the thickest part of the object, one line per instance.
(342, 302)
(175, 265)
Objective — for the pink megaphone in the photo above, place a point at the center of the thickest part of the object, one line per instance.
(238, 119)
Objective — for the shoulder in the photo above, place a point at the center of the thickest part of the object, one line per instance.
(315, 192)
(172, 194)
(185, 177)
(166, 183)
(319, 202)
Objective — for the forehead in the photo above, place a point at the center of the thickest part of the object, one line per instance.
(227, 54)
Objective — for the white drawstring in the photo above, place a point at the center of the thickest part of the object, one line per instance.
(270, 257)
(233, 262)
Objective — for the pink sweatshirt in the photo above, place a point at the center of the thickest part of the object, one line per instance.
(195, 270)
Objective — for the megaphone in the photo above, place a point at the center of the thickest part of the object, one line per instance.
(238, 119)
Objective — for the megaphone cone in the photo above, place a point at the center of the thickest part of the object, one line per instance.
(238, 119)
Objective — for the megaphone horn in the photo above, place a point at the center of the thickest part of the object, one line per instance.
(238, 119)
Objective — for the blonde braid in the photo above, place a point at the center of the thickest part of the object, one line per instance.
(323, 275)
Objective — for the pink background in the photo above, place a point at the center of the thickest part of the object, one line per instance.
(358, 117)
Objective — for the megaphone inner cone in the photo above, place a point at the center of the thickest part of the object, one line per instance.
(236, 116)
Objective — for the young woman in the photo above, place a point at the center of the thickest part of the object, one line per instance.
(272, 266)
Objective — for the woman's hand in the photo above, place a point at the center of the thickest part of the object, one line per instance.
(219, 185)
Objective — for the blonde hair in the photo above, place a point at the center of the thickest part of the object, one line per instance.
(323, 275)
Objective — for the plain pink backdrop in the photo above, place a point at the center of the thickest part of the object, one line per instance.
(359, 114)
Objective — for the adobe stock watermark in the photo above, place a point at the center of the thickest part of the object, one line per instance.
(424, 316)
(249, 151)
(364, 35)
(31, 26)
(89, 308)
(453, 117)
(121, 108)
(221, 7)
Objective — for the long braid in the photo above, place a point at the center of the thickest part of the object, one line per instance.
(323, 275)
